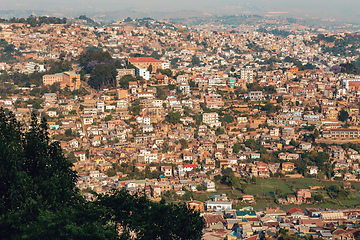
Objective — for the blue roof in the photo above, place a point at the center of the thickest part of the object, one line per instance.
(244, 213)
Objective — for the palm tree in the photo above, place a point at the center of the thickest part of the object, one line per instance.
(74, 82)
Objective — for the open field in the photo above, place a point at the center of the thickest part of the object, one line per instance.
(267, 190)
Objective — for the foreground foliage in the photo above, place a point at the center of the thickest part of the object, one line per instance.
(39, 199)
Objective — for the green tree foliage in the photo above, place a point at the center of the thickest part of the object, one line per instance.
(101, 66)
(8, 51)
(294, 143)
(335, 191)
(93, 55)
(103, 76)
(236, 148)
(39, 199)
(160, 93)
(228, 118)
(34, 174)
(135, 107)
(124, 81)
(229, 178)
(201, 187)
(22, 79)
(343, 116)
(173, 117)
(319, 197)
(59, 66)
(150, 68)
(174, 61)
(171, 86)
(195, 61)
(219, 131)
(36, 21)
(88, 20)
(183, 143)
(69, 132)
(270, 108)
(108, 118)
(130, 66)
(316, 133)
(167, 72)
(349, 68)
(152, 220)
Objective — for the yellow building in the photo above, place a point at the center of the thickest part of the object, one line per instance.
(66, 79)
(145, 62)
(332, 114)
(52, 78)
(71, 80)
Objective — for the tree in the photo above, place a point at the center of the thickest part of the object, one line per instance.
(219, 131)
(39, 199)
(167, 72)
(173, 117)
(201, 187)
(229, 178)
(343, 116)
(68, 132)
(108, 118)
(318, 197)
(103, 75)
(183, 143)
(316, 133)
(228, 118)
(34, 174)
(294, 143)
(195, 61)
(150, 68)
(151, 220)
(236, 148)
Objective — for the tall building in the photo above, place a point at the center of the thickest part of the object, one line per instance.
(247, 74)
(211, 119)
(66, 79)
(142, 72)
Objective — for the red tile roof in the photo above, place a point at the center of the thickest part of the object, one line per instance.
(143, 59)
(294, 210)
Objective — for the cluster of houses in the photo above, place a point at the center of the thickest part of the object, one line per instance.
(313, 223)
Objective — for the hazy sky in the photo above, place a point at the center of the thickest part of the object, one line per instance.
(313, 8)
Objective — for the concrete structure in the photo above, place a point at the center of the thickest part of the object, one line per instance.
(66, 79)
(142, 72)
(211, 119)
(145, 62)
(247, 74)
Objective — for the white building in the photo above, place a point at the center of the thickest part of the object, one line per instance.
(218, 206)
(211, 119)
(185, 88)
(165, 65)
(100, 106)
(88, 120)
(210, 185)
(147, 157)
(147, 128)
(33, 67)
(247, 74)
(142, 72)
(143, 120)
(122, 103)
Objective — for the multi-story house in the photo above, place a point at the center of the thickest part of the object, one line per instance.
(211, 119)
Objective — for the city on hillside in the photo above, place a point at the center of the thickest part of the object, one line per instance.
(255, 127)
